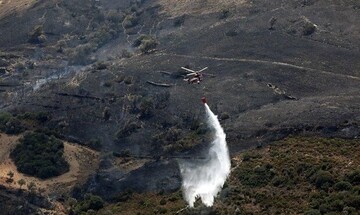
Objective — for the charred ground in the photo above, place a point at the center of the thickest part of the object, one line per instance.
(275, 69)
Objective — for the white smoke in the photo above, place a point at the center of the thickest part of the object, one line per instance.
(205, 179)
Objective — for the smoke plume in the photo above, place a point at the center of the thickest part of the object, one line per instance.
(204, 179)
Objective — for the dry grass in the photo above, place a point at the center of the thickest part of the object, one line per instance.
(8, 7)
(83, 161)
(176, 8)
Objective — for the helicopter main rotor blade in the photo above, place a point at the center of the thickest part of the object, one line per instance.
(191, 74)
(189, 70)
(203, 69)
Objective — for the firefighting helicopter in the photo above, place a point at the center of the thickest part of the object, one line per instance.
(193, 77)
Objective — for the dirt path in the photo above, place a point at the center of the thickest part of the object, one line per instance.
(83, 162)
(175, 7)
(262, 62)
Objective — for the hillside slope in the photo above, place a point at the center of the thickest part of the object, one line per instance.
(275, 69)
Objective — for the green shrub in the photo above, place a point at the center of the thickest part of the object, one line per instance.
(342, 185)
(140, 39)
(94, 144)
(130, 21)
(224, 116)
(127, 130)
(278, 181)
(128, 80)
(114, 16)
(163, 211)
(148, 45)
(145, 43)
(14, 126)
(308, 28)
(146, 108)
(90, 202)
(353, 201)
(42, 117)
(256, 177)
(37, 35)
(102, 36)
(354, 177)
(126, 54)
(80, 55)
(322, 179)
(163, 202)
(312, 212)
(40, 155)
(5, 117)
(224, 14)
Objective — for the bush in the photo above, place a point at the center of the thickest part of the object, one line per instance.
(130, 21)
(353, 201)
(140, 39)
(94, 144)
(14, 126)
(128, 80)
(224, 14)
(343, 185)
(127, 130)
(148, 45)
(322, 179)
(308, 28)
(354, 177)
(114, 16)
(163, 202)
(224, 116)
(40, 155)
(146, 108)
(42, 117)
(126, 54)
(102, 36)
(80, 55)
(145, 43)
(90, 202)
(37, 35)
(312, 212)
(257, 177)
(4, 117)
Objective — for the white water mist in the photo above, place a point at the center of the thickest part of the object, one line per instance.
(205, 179)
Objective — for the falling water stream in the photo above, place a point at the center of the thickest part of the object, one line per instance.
(204, 179)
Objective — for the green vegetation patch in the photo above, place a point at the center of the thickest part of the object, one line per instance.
(146, 43)
(15, 124)
(40, 155)
(89, 203)
(10, 124)
(298, 175)
(145, 204)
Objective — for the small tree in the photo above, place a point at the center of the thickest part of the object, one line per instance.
(10, 174)
(90, 203)
(148, 45)
(21, 182)
(31, 187)
(10, 179)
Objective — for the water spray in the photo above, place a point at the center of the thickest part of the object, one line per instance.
(204, 179)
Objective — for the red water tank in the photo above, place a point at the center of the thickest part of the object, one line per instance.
(203, 99)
